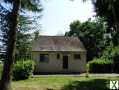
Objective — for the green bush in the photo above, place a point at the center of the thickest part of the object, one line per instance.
(112, 53)
(99, 66)
(23, 69)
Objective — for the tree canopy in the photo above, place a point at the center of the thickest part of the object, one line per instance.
(91, 34)
(109, 10)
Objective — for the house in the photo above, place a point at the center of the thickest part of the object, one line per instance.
(59, 54)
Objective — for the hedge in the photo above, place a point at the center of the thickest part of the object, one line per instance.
(99, 66)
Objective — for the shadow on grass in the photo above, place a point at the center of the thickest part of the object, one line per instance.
(94, 84)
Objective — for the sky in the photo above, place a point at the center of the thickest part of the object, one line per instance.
(58, 14)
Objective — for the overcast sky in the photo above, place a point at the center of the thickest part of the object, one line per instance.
(58, 14)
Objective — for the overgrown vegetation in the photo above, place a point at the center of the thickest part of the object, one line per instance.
(108, 63)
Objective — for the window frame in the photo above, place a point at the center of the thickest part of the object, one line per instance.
(77, 56)
(44, 58)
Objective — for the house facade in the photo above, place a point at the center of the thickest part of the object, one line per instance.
(59, 54)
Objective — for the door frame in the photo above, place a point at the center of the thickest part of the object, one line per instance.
(65, 62)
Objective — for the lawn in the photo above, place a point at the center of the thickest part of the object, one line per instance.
(63, 83)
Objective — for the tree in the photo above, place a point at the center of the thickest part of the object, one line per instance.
(91, 34)
(26, 27)
(12, 22)
(36, 35)
(107, 9)
(9, 60)
(23, 44)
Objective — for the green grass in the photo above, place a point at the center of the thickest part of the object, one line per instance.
(63, 83)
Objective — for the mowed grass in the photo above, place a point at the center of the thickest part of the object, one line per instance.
(44, 83)
(63, 83)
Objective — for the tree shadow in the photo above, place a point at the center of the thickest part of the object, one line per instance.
(95, 84)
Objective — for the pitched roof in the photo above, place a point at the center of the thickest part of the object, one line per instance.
(57, 43)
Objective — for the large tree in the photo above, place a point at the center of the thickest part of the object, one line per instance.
(109, 10)
(26, 28)
(16, 7)
(91, 34)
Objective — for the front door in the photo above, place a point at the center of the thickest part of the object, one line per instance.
(65, 62)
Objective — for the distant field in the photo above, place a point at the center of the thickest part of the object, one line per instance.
(63, 83)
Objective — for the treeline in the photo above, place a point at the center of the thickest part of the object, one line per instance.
(100, 36)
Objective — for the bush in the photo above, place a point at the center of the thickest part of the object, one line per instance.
(108, 62)
(23, 69)
(112, 53)
(99, 66)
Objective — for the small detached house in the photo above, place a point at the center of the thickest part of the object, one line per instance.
(59, 54)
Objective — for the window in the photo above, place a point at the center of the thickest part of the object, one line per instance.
(77, 56)
(58, 56)
(44, 57)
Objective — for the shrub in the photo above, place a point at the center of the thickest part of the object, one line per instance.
(112, 53)
(108, 62)
(99, 66)
(23, 69)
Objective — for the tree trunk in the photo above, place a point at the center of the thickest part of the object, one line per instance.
(6, 79)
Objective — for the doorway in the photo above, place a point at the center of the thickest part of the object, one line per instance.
(65, 62)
